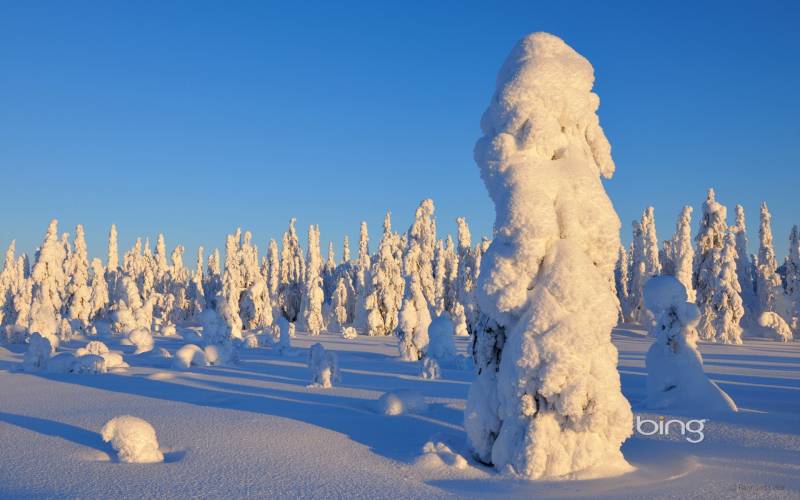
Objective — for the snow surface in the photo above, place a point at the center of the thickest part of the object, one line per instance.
(255, 430)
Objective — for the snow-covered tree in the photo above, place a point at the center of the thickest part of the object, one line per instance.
(710, 241)
(621, 280)
(46, 275)
(644, 262)
(363, 281)
(744, 269)
(78, 291)
(793, 277)
(422, 235)
(313, 296)
(768, 283)
(386, 290)
(413, 321)
(683, 251)
(721, 310)
(675, 376)
(292, 276)
(547, 400)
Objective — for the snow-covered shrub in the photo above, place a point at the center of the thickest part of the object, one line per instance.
(430, 369)
(188, 356)
(168, 330)
(114, 359)
(774, 326)
(324, 366)
(133, 438)
(93, 347)
(547, 400)
(251, 341)
(441, 346)
(40, 348)
(142, 339)
(401, 402)
(91, 363)
(349, 333)
(438, 454)
(63, 362)
(675, 376)
(221, 354)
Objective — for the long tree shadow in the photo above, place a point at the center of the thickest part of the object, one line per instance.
(77, 435)
(349, 416)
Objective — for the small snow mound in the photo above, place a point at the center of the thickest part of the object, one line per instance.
(142, 339)
(349, 333)
(223, 354)
(251, 342)
(188, 356)
(114, 360)
(133, 439)
(438, 455)
(169, 330)
(191, 336)
(63, 362)
(402, 402)
(91, 363)
(430, 369)
(324, 366)
(775, 326)
(93, 347)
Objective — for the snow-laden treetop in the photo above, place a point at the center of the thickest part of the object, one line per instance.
(544, 103)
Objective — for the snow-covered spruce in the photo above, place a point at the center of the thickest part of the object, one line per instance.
(644, 263)
(675, 377)
(134, 440)
(547, 400)
(430, 369)
(324, 366)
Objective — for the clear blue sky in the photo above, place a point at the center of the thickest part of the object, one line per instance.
(193, 118)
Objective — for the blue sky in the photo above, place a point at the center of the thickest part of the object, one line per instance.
(193, 118)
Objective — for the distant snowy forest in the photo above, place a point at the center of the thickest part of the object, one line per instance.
(413, 278)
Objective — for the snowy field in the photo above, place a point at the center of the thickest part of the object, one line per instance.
(256, 430)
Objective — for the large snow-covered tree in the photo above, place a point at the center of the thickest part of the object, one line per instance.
(547, 400)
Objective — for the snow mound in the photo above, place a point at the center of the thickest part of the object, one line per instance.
(93, 347)
(187, 356)
(251, 342)
(774, 326)
(191, 337)
(220, 354)
(324, 366)
(133, 439)
(142, 339)
(63, 362)
(168, 330)
(40, 348)
(91, 364)
(349, 333)
(430, 369)
(114, 360)
(401, 402)
(438, 455)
